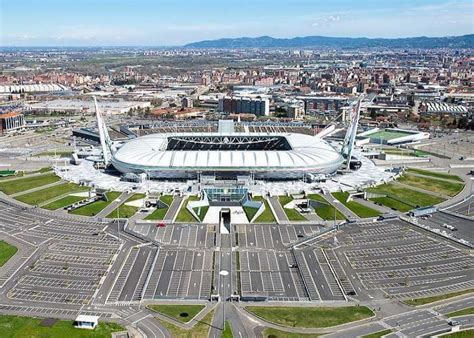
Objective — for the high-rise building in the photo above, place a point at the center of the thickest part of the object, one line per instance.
(11, 121)
(247, 105)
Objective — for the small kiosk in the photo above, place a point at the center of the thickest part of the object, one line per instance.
(86, 322)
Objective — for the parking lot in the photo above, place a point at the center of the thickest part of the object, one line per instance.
(74, 256)
(401, 261)
(180, 274)
(178, 235)
(270, 274)
(273, 236)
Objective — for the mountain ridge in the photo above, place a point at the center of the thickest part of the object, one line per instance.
(462, 41)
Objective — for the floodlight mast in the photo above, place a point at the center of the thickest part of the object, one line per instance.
(105, 142)
(349, 139)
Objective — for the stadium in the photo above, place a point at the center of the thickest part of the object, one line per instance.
(227, 155)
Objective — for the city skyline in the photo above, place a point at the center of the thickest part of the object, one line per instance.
(174, 23)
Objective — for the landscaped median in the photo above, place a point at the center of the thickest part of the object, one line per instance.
(463, 312)
(270, 332)
(267, 215)
(434, 185)
(184, 215)
(325, 210)
(432, 299)
(291, 213)
(44, 195)
(200, 329)
(357, 208)
(378, 334)
(405, 195)
(6, 252)
(126, 210)
(26, 183)
(94, 208)
(310, 317)
(159, 213)
(182, 313)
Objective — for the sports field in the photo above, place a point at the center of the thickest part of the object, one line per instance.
(388, 135)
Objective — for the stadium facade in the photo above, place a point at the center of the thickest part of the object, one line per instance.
(227, 154)
(265, 156)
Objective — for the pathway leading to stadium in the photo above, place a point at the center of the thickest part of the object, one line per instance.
(278, 210)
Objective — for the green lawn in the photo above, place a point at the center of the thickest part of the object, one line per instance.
(23, 173)
(269, 332)
(326, 210)
(357, 208)
(267, 215)
(175, 311)
(43, 195)
(6, 252)
(227, 333)
(435, 174)
(432, 184)
(292, 214)
(378, 334)
(184, 215)
(201, 329)
(406, 195)
(392, 204)
(126, 211)
(427, 300)
(250, 212)
(387, 134)
(63, 202)
(201, 212)
(159, 214)
(27, 183)
(463, 312)
(315, 317)
(60, 153)
(94, 208)
(19, 327)
(460, 334)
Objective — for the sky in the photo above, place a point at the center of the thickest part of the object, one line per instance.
(176, 22)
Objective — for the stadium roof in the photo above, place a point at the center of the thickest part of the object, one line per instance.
(239, 152)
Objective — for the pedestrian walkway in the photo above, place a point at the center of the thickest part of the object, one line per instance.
(278, 211)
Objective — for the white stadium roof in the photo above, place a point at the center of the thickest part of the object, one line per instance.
(299, 153)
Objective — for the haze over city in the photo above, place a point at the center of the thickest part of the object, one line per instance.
(172, 23)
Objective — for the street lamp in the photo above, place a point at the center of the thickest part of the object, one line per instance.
(223, 273)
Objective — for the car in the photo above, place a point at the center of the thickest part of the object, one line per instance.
(453, 322)
(161, 225)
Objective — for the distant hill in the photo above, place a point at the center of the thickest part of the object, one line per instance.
(464, 41)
